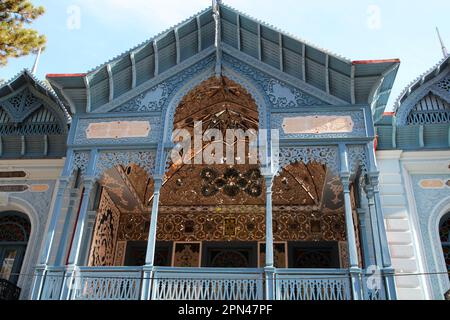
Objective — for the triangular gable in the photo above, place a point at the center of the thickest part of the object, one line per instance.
(430, 93)
(331, 75)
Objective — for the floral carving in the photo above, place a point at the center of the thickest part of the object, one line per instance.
(323, 155)
(152, 100)
(280, 95)
(157, 98)
(20, 106)
(108, 160)
(358, 159)
(80, 162)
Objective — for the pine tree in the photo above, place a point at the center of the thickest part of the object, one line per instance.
(16, 40)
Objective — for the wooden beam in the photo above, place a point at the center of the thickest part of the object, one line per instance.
(352, 85)
(88, 93)
(45, 145)
(238, 25)
(199, 35)
(23, 149)
(111, 82)
(156, 55)
(327, 73)
(394, 133)
(280, 42)
(177, 46)
(133, 70)
(304, 62)
(421, 136)
(448, 138)
(259, 43)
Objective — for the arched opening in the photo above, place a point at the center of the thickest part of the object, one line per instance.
(15, 230)
(120, 229)
(212, 205)
(444, 233)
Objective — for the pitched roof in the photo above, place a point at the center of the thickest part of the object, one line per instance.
(355, 82)
(26, 77)
(427, 76)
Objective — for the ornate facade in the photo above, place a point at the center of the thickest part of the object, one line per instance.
(132, 209)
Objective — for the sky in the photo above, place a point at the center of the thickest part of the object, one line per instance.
(82, 34)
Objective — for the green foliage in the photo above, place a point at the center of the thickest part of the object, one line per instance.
(16, 40)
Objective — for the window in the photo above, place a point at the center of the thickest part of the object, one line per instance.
(14, 235)
(444, 232)
(12, 174)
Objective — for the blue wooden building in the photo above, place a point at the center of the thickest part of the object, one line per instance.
(134, 214)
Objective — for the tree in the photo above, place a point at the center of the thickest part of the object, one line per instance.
(16, 40)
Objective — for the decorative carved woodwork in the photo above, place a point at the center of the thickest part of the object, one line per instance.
(187, 255)
(244, 223)
(105, 233)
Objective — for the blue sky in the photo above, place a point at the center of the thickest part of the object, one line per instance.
(355, 29)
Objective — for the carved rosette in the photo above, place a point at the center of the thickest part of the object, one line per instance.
(109, 160)
(324, 155)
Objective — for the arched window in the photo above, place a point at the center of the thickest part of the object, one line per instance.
(444, 232)
(15, 229)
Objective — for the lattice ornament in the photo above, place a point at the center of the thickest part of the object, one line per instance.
(158, 97)
(109, 160)
(358, 159)
(22, 105)
(80, 162)
(444, 84)
(280, 95)
(324, 155)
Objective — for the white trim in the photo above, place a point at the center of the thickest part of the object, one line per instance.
(415, 230)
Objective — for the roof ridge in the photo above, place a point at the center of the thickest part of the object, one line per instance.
(417, 79)
(289, 34)
(43, 84)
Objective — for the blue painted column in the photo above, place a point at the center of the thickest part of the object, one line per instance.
(75, 250)
(373, 182)
(269, 266)
(151, 245)
(81, 225)
(355, 270)
(374, 224)
(43, 266)
(364, 238)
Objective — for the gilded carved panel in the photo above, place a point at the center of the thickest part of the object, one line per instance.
(245, 223)
(105, 233)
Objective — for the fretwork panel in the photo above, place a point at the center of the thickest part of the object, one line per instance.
(217, 287)
(317, 288)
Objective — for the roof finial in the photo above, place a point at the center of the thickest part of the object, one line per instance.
(218, 44)
(444, 49)
(36, 62)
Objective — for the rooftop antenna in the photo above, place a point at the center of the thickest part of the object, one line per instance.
(444, 49)
(36, 62)
(218, 43)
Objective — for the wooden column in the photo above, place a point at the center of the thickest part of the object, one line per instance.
(355, 270)
(151, 244)
(269, 264)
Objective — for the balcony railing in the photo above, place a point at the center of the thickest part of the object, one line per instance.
(206, 284)
(312, 285)
(107, 284)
